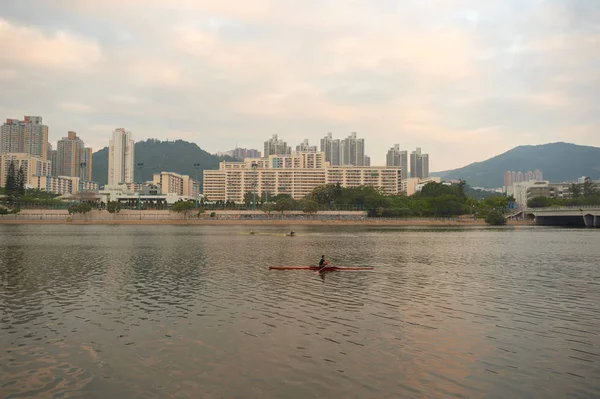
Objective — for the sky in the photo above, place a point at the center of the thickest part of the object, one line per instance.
(462, 79)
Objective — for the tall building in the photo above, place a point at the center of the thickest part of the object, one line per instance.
(419, 164)
(243, 153)
(305, 147)
(86, 160)
(352, 151)
(327, 148)
(297, 175)
(121, 157)
(68, 155)
(275, 146)
(29, 136)
(397, 157)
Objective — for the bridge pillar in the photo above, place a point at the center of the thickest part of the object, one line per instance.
(590, 220)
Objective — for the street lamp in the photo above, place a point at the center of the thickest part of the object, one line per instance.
(140, 165)
(197, 167)
(82, 166)
(254, 183)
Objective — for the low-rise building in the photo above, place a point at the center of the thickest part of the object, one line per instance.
(62, 185)
(295, 174)
(414, 185)
(32, 165)
(174, 183)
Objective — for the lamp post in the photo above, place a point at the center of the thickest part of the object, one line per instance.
(140, 165)
(82, 166)
(197, 167)
(254, 183)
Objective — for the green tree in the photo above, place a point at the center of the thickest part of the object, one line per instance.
(113, 207)
(183, 207)
(284, 204)
(20, 183)
(3, 211)
(575, 190)
(539, 202)
(80, 207)
(11, 180)
(267, 208)
(309, 206)
(248, 199)
(588, 187)
(495, 218)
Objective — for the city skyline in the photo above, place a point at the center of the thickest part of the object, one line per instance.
(446, 76)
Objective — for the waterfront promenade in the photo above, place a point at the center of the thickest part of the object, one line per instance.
(129, 217)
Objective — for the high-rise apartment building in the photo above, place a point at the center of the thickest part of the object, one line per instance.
(68, 155)
(29, 136)
(397, 157)
(349, 151)
(275, 146)
(121, 155)
(243, 153)
(306, 147)
(419, 164)
(511, 177)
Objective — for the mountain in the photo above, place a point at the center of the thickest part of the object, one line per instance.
(558, 162)
(157, 156)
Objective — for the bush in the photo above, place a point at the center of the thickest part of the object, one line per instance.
(495, 218)
(3, 211)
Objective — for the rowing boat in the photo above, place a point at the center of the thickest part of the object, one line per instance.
(328, 268)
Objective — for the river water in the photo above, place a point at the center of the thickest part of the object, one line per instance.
(194, 312)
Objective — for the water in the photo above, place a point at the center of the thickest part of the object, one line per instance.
(193, 312)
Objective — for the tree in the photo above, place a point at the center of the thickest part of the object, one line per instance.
(80, 207)
(200, 212)
(248, 198)
(113, 207)
(575, 190)
(539, 202)
(588, 187)
(3, 211)
(183, 207)
(495, 218)
(284, 204)
(11, 180)
(267, 208)
(309, 206)
(20, 183)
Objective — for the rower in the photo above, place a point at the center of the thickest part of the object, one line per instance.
(292, 233)
(323, 263)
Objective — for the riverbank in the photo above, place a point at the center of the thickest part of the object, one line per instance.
(277, 222)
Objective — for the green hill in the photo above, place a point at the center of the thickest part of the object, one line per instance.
(558, 162)
(157, 156)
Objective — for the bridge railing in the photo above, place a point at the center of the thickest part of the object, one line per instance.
(561, 208)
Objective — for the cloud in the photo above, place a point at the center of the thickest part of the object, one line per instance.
(463, 79)
(24, 46)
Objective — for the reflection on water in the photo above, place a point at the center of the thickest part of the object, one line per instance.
(175, 311)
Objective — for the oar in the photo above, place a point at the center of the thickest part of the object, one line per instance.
(323, 268)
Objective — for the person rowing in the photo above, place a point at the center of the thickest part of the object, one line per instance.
(292, 233)
(323, 263)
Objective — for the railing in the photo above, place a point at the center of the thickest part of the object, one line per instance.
(562, 208)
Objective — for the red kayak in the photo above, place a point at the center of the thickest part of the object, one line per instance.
(327, 268)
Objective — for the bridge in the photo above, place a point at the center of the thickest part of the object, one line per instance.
(576, 216)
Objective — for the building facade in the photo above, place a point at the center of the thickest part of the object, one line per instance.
(121, 156)
(275, 146)
(297, 175)
(63, 185)
(397, 157)
(306, 147)
(32, 166)
(73, 158)
(176, 184)
(419, 164)
(29, 136)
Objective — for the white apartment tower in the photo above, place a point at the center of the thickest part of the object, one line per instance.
(397, 157)
(121, 157)
(275, 146)
(419, 164)
(350, 151)
(305, 147)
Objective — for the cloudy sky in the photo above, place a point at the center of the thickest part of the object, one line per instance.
(463, 79)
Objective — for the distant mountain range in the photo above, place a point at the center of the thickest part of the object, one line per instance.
(558, 162)
(173, 156)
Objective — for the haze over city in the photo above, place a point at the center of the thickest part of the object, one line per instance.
(464, 79)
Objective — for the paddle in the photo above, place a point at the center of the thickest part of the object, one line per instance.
(324, 267)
